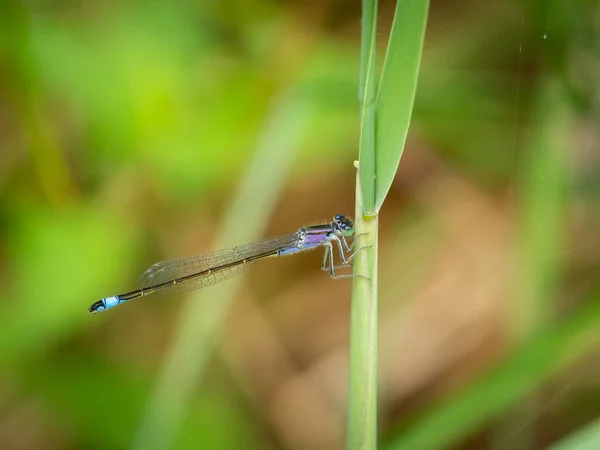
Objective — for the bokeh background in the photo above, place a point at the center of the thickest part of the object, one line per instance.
(136, 131)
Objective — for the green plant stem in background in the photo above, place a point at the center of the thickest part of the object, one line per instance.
(543, 199)
(205, 311)
(587, 438)
(362, 402)
(551, 350)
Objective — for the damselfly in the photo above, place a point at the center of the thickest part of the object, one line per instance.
(201, 271)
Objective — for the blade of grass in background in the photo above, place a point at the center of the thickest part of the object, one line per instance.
(543, 202)
(542, 224)
(587, 438)
(205, 311)
(542, 205)
(551, 350)
(384, 125)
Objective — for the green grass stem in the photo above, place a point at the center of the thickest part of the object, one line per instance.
(362, 403)
(385, 118)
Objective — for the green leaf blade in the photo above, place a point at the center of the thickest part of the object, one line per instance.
(367, 91)
(397, 91)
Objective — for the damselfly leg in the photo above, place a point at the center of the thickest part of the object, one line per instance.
(325, 263)
(345, 242)
(346, 260)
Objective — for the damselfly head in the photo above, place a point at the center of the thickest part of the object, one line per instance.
(343, 224)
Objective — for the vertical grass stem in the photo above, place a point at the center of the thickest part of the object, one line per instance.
(362, 402)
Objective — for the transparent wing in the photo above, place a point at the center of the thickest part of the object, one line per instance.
(175, 269)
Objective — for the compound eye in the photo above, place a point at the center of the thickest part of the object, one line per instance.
(347, 229)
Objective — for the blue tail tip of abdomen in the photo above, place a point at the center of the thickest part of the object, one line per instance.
(104, 304)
